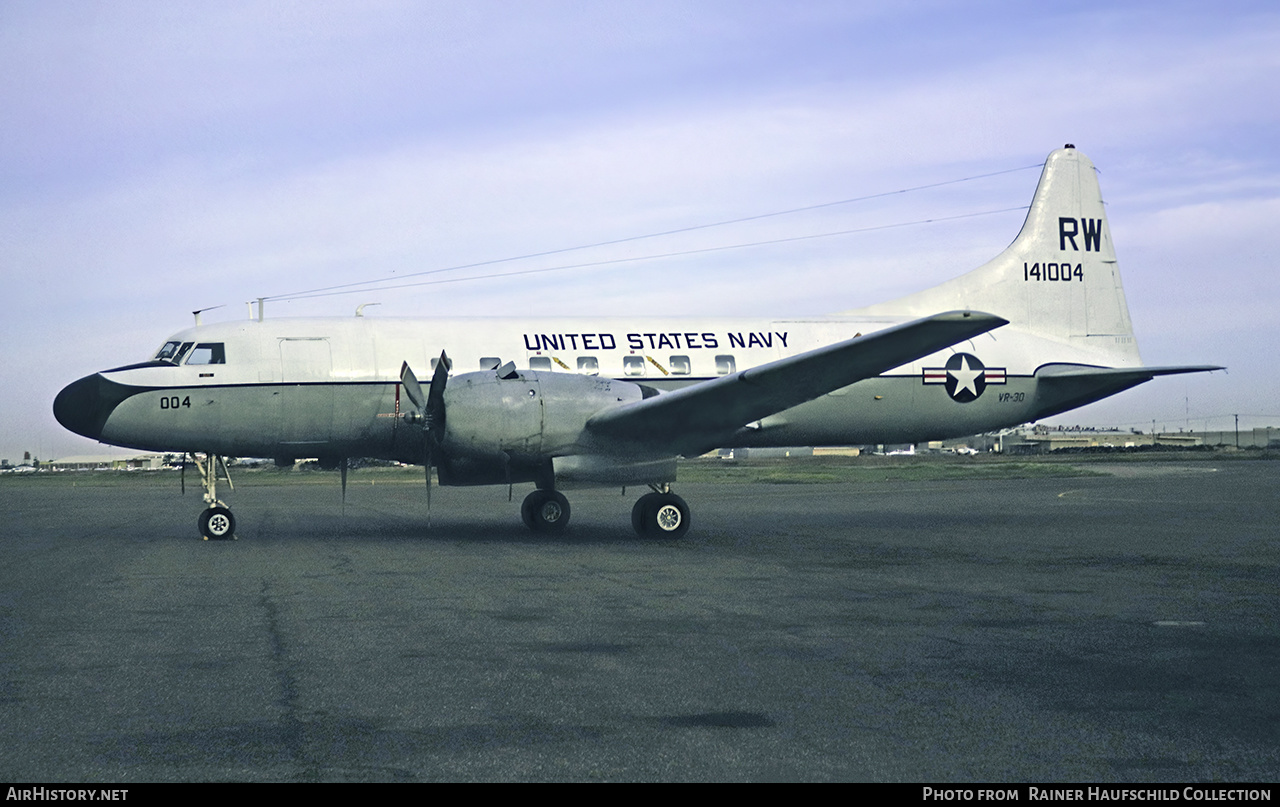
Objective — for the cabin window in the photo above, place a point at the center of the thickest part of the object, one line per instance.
(448, 364)
(208, 353)
(680, 365)
(588, 365)
(725, 365)
(490, 363)
(540, 363)
(633, 365)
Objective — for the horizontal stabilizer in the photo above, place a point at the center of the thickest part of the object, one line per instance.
(1050, 372)
(700, 417)
(1065, 386)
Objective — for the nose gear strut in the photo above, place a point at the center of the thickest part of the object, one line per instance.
(216, 522)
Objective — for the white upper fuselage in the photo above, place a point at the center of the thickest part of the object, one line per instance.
(364, 349)
(316, 387)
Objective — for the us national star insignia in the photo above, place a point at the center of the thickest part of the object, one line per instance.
(964, 377)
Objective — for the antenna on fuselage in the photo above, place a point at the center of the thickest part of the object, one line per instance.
(248, 304)
(198, 312)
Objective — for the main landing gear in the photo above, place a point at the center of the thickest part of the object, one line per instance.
(545, 511)
(216, 523)
(660, 514)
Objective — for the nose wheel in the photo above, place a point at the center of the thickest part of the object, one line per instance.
(216, 523)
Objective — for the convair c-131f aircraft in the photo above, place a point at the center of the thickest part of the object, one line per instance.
(615, 401)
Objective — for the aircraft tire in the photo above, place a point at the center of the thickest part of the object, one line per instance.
(665, 515)
(217, 524)
(545, 511)
(639, 521)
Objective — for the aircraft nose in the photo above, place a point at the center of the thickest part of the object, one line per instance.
(83, 406)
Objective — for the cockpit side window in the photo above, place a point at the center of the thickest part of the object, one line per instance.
(208, 353)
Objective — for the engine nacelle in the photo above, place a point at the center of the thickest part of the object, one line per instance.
(529, 417)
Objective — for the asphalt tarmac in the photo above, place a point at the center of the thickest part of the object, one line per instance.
(1123, 628)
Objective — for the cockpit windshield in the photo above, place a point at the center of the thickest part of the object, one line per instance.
(173, 352)
(202, 353)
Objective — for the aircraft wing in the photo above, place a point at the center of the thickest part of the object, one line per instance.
(699, 417)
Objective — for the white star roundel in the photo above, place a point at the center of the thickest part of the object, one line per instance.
(964, 377)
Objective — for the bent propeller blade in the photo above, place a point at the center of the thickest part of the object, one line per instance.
(411, 386)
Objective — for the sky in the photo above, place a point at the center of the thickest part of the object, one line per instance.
(162, 157)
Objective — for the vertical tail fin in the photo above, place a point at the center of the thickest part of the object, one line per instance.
(1058, 279)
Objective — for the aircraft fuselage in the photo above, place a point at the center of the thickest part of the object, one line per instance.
(293, 388)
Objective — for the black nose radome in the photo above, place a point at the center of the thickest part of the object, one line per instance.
(84, 406)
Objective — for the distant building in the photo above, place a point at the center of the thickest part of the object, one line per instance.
(1040, 438)
(141, 462)
(1265, 437)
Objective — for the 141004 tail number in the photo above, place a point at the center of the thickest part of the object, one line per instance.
(1052, 271)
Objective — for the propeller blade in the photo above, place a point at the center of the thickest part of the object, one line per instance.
(430, 413)
(426, 464)
(411, 386)
(435, 399)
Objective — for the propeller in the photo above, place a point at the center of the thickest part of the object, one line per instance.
(428, 414)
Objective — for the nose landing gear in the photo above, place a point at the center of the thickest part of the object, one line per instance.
(216, 523)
